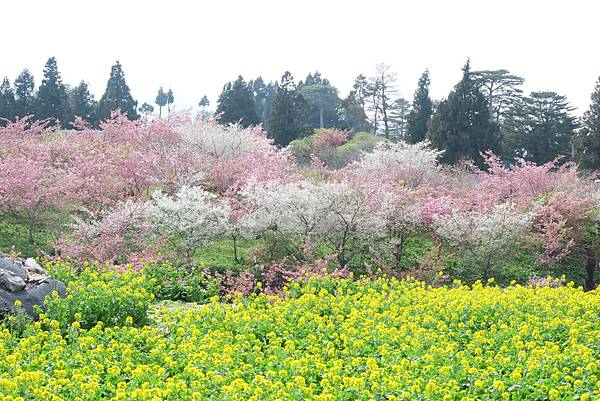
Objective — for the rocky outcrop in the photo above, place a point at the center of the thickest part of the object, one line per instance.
(25, 281)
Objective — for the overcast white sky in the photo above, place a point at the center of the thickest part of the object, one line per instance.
(196, 46)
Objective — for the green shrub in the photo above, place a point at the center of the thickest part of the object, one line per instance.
(176, 283)
(97, 294)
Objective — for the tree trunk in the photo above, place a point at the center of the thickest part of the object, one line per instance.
(188, 260)
(31, 227)
(591, 266)
(235, 254)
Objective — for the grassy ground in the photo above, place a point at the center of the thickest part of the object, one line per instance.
(14, 233)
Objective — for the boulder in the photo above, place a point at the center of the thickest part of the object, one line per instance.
(13, 265)
(33, 296)
(25, 281)
(11, 282)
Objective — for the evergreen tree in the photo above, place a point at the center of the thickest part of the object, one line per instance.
(170, 100)
(24, 94)
(289, 117)
(236, 104)
(161, 100)
(586, 144)
(539, 128)
(83, 104)
(52, 98)
(399, 110)
(204, 103)
(422, 109)
(117, 96)
(353, 113)
(263, 99)
(382, 91)
(501, 88)
(322, 99)
(146, 108)
(7, 102)
(461, 125)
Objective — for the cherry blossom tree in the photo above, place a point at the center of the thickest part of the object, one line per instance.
(118, 235)
(486, 238)
(336, 214)
(187, 220)
(411, 164)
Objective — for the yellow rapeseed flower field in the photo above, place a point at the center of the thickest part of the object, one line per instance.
(328, 340)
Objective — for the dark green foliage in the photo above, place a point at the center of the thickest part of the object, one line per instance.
(83, 104)
(161, 100)
(146, 108)
(539, 128)
(7, 102)
(117, 96)
(203, 102)
(52, 98)
(501, 89)
(290, 115)
(353, 114)
(586, 143)
(236, 104)
(179, 284)
(398, 118)
(24, 94)
(353, 107)
(422, 109)
(322, 100)
(263, 99)
(461, 125)
(170, 99)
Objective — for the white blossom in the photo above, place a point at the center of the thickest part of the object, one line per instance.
(417, 161)
(487, 236)
(189, 219)
(216, 140)
(335, 213)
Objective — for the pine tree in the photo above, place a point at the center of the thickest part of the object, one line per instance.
(501, 89)
(539, 128)
(322, 99)
(399, 110)
(7, 102)
(263, 99)
(161, 100)
(24, 94)
(117, 96)
(289, 117)
(170, 100)
(236, 104)
(586, 144)
(52, 98)
(204, 103)
(353, 113)
(83, 104)
(146, 109)
(461, 125)
(422, 109)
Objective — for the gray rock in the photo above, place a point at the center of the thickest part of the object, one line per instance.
(33, 267)
(11, 282)
(33, 296)
(14, 266)
(27, 282)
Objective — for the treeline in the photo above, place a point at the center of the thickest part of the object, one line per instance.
(486, 110)
(61, 103)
